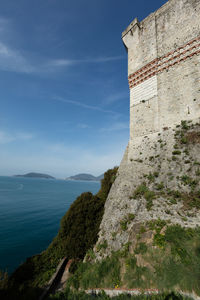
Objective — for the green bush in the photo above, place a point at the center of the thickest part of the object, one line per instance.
(184, 140)
(173, 201)
(176, 152)
(106, 183)
(184, 125)
(103, 245)
(156, 225)
(151, 177)
(141, 248)
(99, 274)
(189, 181)
(123, 224)
(131, 217)
(140, 190)
(159, 240)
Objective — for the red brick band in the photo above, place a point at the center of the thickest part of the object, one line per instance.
(164, 62)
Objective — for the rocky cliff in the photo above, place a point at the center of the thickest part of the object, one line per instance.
(159, 181)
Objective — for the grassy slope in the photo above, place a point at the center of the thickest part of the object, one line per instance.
(171, 261)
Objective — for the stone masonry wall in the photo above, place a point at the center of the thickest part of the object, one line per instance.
(164, 67)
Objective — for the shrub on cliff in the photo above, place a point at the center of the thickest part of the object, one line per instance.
(78, 233)
(106, 183)
(80, 225)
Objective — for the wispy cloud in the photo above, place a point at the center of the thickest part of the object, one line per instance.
(6, 137)
(60, 63)
(12, 60)
(83, 126)
(116, 127)
(81, 104)
(3, 23)
(104, 59)
(69, 62)
(116, 97)
(15, 60)
(5, 26)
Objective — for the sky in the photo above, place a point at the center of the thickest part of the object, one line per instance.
(64, 96)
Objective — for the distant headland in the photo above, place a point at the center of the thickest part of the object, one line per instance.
(35, 175)
(86, 177)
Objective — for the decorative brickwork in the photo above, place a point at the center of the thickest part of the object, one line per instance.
(165, 62)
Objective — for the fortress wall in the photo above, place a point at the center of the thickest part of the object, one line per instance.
(164, 67)
(177, 22)
(179, 93)
(141, 43)
(146, 90)
(144, 101)
(144, 118)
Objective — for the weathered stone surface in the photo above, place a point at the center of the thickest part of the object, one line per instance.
(151, 161)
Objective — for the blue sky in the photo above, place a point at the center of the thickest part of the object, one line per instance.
(64, 96)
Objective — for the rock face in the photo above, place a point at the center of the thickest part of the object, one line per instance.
(159, 181)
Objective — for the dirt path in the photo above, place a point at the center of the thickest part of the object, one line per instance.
(63, 280)
(118, 291)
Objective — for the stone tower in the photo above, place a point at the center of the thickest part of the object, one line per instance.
(164, 67)
(164, 78)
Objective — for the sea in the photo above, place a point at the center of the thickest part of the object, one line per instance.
(30, 214)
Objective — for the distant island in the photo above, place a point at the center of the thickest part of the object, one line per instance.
(36, 175)
(86, 177)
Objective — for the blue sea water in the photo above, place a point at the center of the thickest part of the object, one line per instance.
(30, 214)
